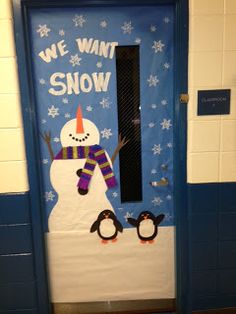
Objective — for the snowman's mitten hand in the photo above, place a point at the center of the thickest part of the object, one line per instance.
(82, 192)
(78, 172)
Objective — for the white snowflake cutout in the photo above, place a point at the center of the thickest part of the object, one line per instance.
(75, 60)
(157, 149)
(158, 46)
(53, 112)
(127, 28)
(166, 124)
(157, 201)
(105, 103)
(49, 196)
(79, 20)
(153, 28)
(43, 30)
(103, 24)
(89, 108)
(128, 215)
(106, 133)
(153, 80)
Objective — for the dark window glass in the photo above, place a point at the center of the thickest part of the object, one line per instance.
(128, 98)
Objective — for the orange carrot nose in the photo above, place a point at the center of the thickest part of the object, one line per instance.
(79, 123)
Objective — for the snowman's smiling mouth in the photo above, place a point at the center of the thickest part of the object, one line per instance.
(79, 139)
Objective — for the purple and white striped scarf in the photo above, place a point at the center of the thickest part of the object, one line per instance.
(94, 154)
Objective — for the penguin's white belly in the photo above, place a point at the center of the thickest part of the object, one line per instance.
(146, 228)
(107, 228)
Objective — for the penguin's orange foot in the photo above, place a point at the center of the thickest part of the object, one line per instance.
(104, 241)
(151, 241)
(143, 242)
(114, 240)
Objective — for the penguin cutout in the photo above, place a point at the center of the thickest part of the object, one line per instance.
(107, 226)
(147, 226)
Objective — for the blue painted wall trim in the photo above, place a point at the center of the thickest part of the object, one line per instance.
(212, 214)
(32, 146)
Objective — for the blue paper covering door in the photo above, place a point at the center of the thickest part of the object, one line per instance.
(104, 81)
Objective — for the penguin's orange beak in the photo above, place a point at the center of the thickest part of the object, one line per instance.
(79, 121)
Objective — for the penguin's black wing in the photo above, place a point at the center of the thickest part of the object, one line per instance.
(132, 221)
(94, 226)
(159, 219)
(118, 225)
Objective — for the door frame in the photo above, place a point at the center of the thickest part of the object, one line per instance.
(21, 30)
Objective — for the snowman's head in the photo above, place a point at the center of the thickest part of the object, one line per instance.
(79, 131)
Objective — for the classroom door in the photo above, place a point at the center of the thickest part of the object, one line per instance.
(104, 93)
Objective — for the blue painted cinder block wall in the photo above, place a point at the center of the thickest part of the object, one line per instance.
(17, 276)
(212, 217)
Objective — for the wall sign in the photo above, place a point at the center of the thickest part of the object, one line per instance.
(213, 102)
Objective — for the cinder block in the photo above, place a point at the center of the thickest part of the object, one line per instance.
(7, 47)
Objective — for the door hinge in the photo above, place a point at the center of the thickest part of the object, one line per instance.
(184, 98)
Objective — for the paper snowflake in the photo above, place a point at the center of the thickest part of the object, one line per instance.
(168, 217)
(79, 20)
(99, 64)
(53, 112)
(56, 139)
(114, 194)
(103, 24)
(166, 65)
(164, 102)
(67, 115)
(49, 196)
(89, 108)
(106, 133)
(42, 81)
(75, 60)
(166, 20)
(43, 121)
(153, 28)
(128, 215)
(105, 103)
(168, 197)
(169, 145)
(153, 80)
(153, 171)
(157, 149)
(65, 100)
(151, 125)
(127, 28)
(43, 30)
(45, 161)
(138, 41)
(166, 124)
(154, 106)
(158, 46)
(157, 201)
(61, 32)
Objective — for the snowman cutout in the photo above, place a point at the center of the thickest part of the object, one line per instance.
(80, 173)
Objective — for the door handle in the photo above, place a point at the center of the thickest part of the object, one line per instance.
(162, 182)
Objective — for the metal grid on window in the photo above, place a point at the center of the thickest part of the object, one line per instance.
(129, 122)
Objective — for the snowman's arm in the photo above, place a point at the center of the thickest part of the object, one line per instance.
(47, 138)
(122, 142)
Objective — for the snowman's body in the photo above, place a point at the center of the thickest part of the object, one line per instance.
(73, 211)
